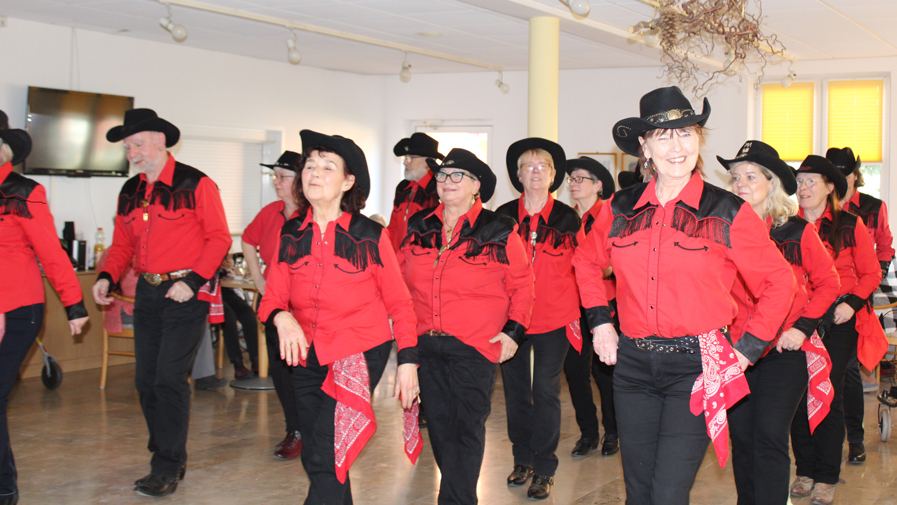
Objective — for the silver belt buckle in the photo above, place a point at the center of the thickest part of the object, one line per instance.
(154, 279)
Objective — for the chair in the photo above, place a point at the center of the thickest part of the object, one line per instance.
(124, 333)
(892, 342)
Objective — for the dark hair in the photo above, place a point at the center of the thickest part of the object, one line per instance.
(352, 201)
(646, 167)
(859, 183)
(834, 205)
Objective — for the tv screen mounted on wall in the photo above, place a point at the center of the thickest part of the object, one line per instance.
(68, 130)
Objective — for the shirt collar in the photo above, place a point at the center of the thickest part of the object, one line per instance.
(690, 194)
(5, 170)
(855, 199)
(167, 172)
(827, 214)
(425, 179)
(545, 212)
(471, 215)
(595, 209)
(343, 221)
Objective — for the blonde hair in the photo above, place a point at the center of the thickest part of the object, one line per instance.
(536, 153)
(646, 166)
(778, 205)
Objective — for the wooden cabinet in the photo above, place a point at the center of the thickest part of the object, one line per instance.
(81, 352)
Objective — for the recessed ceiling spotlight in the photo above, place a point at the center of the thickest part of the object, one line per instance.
(428, 34)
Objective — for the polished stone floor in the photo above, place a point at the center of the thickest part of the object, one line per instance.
(81, 445)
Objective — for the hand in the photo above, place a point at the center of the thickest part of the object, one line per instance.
(508, 346)
(843, 313)
(605, 342)
(292, 339)
(260, 285)
(607, 272)
(76, 324)
(179, 292)
(101, 292)
(407, 388)
(744, 362)
(791, 340)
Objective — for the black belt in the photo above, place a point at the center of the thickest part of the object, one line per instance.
(688, 344)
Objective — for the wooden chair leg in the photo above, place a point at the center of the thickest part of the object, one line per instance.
(105, 366)
(220, 347)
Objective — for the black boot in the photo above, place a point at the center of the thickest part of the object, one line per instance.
(540, 487)
(157, 485)
(181, 474)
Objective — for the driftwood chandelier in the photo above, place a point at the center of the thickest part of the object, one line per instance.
(690, 30)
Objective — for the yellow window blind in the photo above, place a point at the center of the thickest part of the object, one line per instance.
(855, 112)
(788, 119)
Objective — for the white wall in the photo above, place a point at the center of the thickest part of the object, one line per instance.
(187, 86)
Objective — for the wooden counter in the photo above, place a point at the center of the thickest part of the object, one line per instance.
(81, 352)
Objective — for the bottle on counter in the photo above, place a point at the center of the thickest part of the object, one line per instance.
(99, 245)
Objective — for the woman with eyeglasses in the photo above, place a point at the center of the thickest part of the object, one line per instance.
(590, 183)
(676, 245)
(550, 231)
(472, 287)
(760, 423)
(260, 240)
(846, 327)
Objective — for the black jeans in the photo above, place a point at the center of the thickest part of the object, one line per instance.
(662, 444)
(534, 404)
(456, 383)
(282, 376)
(577, 367)
(316, 410)
(854, 408)
(759, 426)
(377, 358)
(236, 309)
(818, 456)
(22, 327)
(166, 336)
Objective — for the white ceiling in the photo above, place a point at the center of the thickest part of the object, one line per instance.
(491, 31)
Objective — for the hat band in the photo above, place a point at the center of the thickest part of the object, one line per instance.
(669, 115)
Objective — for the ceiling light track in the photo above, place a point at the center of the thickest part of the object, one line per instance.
(291, 25)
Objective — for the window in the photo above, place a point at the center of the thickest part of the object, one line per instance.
(848, 113)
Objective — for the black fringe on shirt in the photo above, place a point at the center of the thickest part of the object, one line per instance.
(15, 206)
(495, 253)
(622, 227)
(361, 254)
(292, 247)
(708, 228)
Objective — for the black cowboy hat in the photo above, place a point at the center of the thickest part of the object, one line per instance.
(665, 108)
(819, 165)
(348, 150)
(754, 151)
(627, 178)
(466, 160)
(286, 161)
(595, 168)
(843, 160)
(521, 146)
(20, 143)
(144, 120)
(419, 144)
(4, 121)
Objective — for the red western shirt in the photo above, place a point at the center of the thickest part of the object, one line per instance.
(411, 198)
(814, 271)
(264, 232)
(342, 288)
(588, 221)
(480, 286)
(558, 230)
(857, 265)
(28, 235)
(675, 265)
(175, 223)
(875, 216)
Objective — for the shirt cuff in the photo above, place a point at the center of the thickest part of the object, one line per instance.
(884, 268)
(108, 277)
(856, 303)
(751, 346)
(270, 320)
(596, 316)
(514, 330)
(807, 325)
(407, 356)
(194, 281)
(76, 310)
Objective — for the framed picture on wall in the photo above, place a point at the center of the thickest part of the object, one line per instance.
(630, 163)
(609, 160)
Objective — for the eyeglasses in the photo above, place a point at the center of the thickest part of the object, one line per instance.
(808, 183)
(578, 180)
(529, 167)
(280, 177)
(455, 177)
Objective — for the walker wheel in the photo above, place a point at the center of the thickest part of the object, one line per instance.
(884, 422)
(51, 373)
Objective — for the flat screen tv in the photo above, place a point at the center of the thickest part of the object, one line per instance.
(68, 130)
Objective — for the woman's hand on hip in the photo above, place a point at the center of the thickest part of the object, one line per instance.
(843, 313)
(293, 345)
(508, 346)
(791, 340)
(605, 342)
(407, 387)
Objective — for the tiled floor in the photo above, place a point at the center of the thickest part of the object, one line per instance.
(79, 444)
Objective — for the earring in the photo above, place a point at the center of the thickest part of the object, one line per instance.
(161, 148)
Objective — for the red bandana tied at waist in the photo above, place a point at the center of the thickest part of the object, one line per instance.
(820, 391)
(574, 335)
(348, 383)
(719, 387)
(211, 292)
